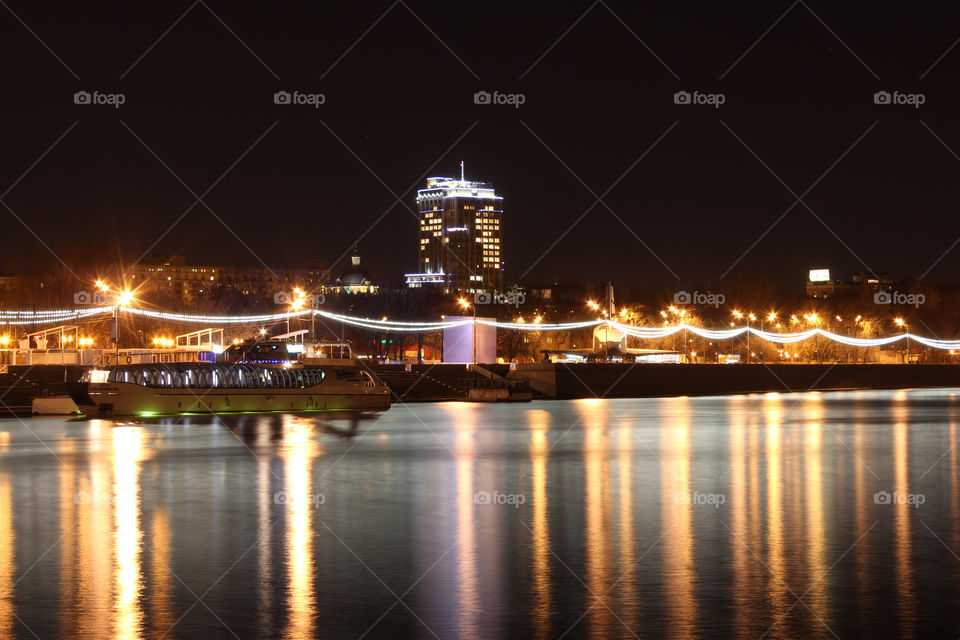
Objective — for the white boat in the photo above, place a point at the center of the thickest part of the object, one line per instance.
(54, 406)
(194, 387)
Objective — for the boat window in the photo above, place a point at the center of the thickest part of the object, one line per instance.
(193, 375)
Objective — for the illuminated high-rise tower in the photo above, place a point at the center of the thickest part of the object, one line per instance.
(460, 236)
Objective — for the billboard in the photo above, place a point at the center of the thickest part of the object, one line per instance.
(819, 275)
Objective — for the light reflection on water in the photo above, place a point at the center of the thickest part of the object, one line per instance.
(679, 517)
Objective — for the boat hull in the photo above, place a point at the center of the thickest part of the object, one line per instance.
(123, 399)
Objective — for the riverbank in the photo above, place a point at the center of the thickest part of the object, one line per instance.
(651, 380)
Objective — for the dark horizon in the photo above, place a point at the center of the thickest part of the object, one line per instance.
(695, 189)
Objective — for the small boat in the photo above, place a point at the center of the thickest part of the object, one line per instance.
(147, 390)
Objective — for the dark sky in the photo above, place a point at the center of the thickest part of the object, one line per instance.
(399, 82)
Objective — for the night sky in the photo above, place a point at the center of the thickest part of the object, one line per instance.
(695, 188)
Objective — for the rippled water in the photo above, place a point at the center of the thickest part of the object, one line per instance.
(745, 517)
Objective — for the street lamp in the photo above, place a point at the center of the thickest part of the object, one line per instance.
(124, 298)
(900, 322)
(739, 316)
(466, 305)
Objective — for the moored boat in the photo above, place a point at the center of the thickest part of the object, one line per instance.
(168, 389)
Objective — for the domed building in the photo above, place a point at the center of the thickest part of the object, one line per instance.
(355, 279)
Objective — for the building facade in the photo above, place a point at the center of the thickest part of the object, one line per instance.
(460, 238)
(175, 275)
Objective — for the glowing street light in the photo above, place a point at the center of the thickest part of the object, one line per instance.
(900, 322)
(466, 305)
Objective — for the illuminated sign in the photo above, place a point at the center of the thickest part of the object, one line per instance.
(819, 275)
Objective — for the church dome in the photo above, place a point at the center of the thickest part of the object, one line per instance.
(355, 275)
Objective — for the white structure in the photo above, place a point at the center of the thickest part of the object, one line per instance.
(458, 341)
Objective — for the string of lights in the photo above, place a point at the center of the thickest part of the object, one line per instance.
(53, 313)
(49, 316)
(392, 325)
(180, 317)
(539, 326)
(21, 318)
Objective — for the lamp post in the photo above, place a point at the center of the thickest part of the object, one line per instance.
(900, 322)
(466, 305)
(124, 298)
(739, 316)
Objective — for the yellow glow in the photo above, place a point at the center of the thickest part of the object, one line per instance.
(127, 448)
(537, 320)
(161, 586)
(771, 316)
(597, 512)
(125, 298)
(8, 566)
(463, 417)
(899, 322)
(540, 536)
(677, 521)
(298, 457)
(463, 303)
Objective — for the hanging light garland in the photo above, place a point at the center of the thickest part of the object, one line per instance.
(49, 316)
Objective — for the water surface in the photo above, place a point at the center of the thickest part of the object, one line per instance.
(781, 516)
